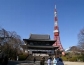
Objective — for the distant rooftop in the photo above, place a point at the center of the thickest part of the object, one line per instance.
(39, 36)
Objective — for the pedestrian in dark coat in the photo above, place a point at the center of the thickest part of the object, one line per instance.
(42, 61)
(34, 59)
(5, 60)
(60, 62)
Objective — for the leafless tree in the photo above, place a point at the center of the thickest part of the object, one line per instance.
(81, 39)
(15, 41)
(10, 42)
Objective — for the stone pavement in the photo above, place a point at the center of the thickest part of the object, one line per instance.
(73, 63)
(65, 63)
(37, 63)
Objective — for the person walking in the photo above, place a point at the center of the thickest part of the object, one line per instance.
(49, 61)
(42, 61)
(5, 61)
(60, 62)
(54, 61)
(34, 59)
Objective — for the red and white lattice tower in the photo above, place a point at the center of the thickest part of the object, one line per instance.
(56, 31)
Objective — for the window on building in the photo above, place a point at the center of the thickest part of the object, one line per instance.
(31, 43)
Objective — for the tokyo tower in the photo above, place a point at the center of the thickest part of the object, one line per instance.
(56, 32)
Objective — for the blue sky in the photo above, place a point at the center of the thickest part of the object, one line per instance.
(37, 16)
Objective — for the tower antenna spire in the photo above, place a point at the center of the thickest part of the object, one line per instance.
(55, 6)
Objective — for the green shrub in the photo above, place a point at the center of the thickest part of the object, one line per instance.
(81, 57)
(22, 57)
(64, 58)
(69, 58)
(73, 59)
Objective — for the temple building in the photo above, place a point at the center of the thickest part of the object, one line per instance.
(39, 44)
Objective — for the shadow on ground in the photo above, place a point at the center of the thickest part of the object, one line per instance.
(21, 63)
(13, 62)
(18, 62)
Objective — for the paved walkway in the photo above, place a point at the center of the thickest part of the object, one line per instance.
(37, 63)
(73, 63)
